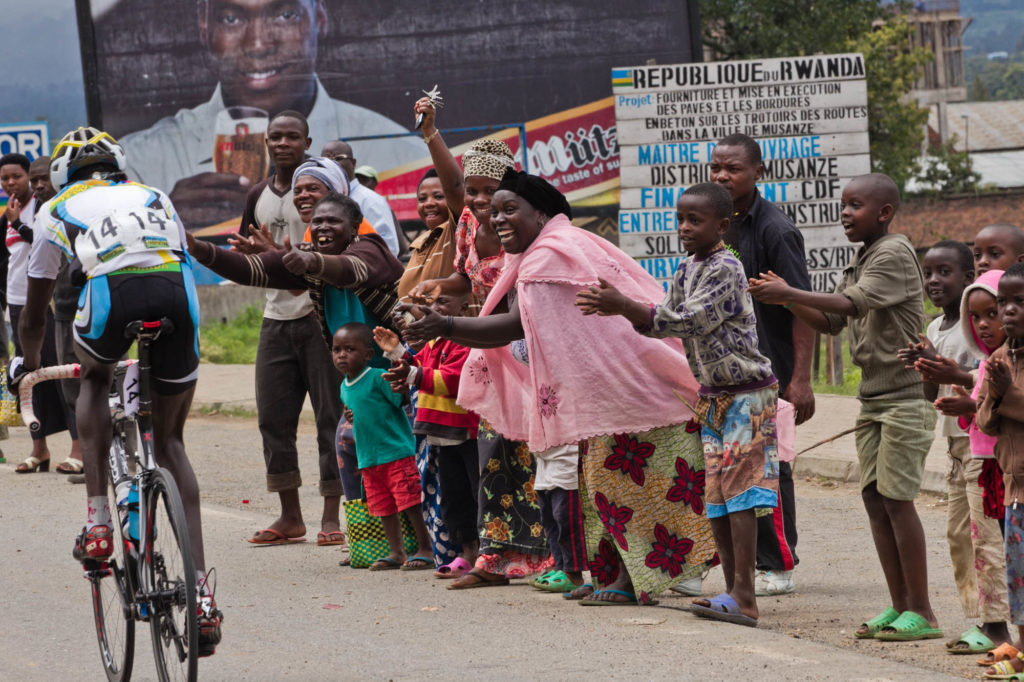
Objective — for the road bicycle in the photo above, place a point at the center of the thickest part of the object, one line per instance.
(151, 578)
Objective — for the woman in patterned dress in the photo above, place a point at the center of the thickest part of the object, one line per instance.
(592, 381)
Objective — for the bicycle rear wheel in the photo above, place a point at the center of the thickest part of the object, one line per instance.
(168, 565)
(111, 604)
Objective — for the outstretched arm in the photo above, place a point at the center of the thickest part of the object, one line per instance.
(490, 331)
(808, 306)
(266, 270)
(606, 300)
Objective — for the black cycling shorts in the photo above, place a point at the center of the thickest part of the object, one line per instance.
(110, 302)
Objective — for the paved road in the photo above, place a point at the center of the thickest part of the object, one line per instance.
(293, 613)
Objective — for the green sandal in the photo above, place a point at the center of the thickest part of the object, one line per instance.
(556, 582)
(877, 623)
(536, 581)
(973, 641)
(909, 627)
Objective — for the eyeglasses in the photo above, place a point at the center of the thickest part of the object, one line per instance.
(339, 157)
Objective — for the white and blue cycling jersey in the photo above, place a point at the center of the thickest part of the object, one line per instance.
(108, 226)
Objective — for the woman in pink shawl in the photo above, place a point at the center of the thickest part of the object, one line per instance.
(590, 381)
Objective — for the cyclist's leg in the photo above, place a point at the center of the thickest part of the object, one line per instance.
(99, 342)
(93, 415)
(169, 415)
(174, 359)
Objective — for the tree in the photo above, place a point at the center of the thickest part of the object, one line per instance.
(1011, 84)
(895, 121)
(948, 171)
(757, 29)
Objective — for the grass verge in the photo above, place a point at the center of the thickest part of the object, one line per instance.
(233, 343)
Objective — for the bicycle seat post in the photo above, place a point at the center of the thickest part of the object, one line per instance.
(145, 332)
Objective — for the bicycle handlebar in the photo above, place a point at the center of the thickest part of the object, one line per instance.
(47, 374)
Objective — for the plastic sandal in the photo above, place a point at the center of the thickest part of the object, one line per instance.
(536, 581)
(1003, 670)
(877, 623)
(453, 569)
(631, 599)
(558, 582)
(973, 641)
(723, 608)
(1003, 652)
(909, 627)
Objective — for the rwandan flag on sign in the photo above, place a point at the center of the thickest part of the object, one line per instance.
(622, 78)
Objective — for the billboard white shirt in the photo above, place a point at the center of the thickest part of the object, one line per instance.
(181, 146)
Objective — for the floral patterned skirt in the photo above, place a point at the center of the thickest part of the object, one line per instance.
(643, 503)
(511, 535)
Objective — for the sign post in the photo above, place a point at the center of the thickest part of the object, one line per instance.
(808, 114)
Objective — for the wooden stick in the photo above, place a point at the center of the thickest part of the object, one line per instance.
(703, 422)
(847, 432)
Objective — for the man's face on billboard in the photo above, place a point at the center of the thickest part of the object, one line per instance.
(263, 51)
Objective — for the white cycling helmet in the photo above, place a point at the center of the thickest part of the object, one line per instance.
(80, 148)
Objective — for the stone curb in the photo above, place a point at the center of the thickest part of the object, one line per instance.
(849, 472)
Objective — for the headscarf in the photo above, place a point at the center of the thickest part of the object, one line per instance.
(326, 171)
(540, 193)
(489, 159)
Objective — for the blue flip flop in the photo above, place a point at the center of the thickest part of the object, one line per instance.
(385, 564)
(587, 601)
(723, 608)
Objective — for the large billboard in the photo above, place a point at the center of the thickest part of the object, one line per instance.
(168, 76)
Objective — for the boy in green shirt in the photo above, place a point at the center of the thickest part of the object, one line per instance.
(385, 446)
(880, 299)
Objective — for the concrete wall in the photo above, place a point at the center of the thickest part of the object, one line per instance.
(222, 303)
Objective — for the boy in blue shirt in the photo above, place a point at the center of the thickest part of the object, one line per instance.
(385, 446)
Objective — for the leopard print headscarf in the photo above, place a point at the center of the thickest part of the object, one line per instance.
(489, 159)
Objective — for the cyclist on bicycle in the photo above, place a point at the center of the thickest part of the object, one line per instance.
(130, 244)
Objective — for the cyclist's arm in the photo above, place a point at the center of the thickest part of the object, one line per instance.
(43, 265)
(32, 326)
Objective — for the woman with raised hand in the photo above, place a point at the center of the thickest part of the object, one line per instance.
(542, 373)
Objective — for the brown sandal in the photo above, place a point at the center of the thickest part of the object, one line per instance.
(476, 579)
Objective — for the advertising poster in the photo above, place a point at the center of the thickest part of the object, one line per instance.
(181, 82)
(808, 114)
(31, 139)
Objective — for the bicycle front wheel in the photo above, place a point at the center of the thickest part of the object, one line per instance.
(172, 581)
(111, 604)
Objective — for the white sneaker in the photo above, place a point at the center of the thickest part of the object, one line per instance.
(694, 587)
(770, 583)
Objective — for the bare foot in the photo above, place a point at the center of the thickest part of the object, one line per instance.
(288, 528)
(581, 592)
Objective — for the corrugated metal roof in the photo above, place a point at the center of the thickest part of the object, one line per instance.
(990, 126)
